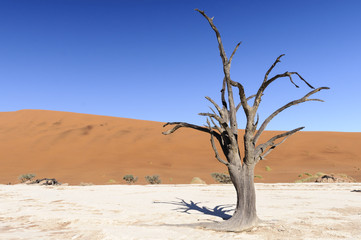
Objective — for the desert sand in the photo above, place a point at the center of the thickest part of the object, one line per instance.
(110, 212)
(76, 148)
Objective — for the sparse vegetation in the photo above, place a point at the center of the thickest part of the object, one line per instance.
(155, 179)
(334, 178)
(258, 176)
(221, 177)
(112, 181)
(268, 168)
(130, 179)
(310, 178)
(26, 177)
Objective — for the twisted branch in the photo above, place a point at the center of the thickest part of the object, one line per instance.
(242, 96)
(271, 68)
(220, 111)
(223, 90)
(247, 99)
(215, 116)
(234, 51)
(183, 124)
(214, 146)
(220, 44)
(270, 143)
(262, 157)
(266, 82)
(227, 77)
(275, 113)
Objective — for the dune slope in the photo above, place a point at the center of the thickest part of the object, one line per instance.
(77, 148)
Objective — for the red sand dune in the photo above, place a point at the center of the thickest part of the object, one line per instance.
(77, 148)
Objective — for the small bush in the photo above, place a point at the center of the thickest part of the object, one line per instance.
(268, 168)
(153, 179)
(258, 176)
(26, 177)
(221, 177)
(130, 179)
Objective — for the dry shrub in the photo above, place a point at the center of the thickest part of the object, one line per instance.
(26, 177)
(155, 179)
(221, 177)
(130, 179)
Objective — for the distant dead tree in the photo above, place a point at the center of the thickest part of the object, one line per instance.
(222, 126)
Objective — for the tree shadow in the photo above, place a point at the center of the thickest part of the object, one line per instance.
(218, 211)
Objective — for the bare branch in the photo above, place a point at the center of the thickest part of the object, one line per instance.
(215, 116)
(275, 113)
(224, 103)
(262, 147)
(271, 68)
(262, 157)
(302, 79)
(249, 98)
(216, 106)
(238, 106)
(234, 51)
(214, 112)
(316, 99)
(254, 126)
(220, 44)
(232, 137)
(289, 75)
(214, 146)
(226, 69)
(267, 82)
(242, 95)
(315, 91)
(216, 126)
(183, 124)
(216, 152)
(224, 126)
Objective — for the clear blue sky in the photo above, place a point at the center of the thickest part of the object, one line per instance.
(157, 59)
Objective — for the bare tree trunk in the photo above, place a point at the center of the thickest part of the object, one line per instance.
(245, 215)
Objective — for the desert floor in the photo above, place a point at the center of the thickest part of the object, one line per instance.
(288, 211)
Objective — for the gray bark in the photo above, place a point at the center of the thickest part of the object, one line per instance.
(245, 215)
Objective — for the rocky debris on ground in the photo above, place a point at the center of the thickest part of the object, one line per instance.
(356, 190)
(44, 181)
(334, 178)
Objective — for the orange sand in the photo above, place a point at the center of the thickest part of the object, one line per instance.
(77, 148)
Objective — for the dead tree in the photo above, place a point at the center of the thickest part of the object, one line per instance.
(222, 126)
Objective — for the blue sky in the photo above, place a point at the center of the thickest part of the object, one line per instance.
(157, 59)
